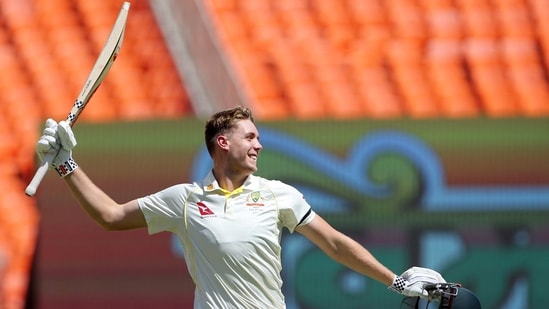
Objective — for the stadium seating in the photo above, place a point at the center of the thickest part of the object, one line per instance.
(357, 51)
(47, 48)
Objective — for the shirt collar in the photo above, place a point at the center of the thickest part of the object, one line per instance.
(210, 184)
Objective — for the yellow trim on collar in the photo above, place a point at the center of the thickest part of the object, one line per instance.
(234, 192)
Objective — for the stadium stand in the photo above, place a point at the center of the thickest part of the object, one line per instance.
(47, 48)
(300, 59)
(372, 58)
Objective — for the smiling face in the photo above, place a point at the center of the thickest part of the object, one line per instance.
(242, 146)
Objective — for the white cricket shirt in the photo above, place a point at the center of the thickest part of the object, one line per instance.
(231, 240)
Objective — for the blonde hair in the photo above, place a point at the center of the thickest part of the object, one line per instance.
(222, 122)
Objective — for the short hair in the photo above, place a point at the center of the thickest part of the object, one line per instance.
(222, 122)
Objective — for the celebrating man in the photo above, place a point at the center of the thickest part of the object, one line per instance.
(232, 251)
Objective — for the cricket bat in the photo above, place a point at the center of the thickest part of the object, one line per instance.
(100, 69)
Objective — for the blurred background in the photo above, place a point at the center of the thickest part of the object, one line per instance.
(418, 127)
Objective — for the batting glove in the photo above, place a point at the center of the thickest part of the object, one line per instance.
(58, 140)
(411, 283)
(420, 274)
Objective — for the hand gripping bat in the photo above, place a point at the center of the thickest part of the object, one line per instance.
(97, 74)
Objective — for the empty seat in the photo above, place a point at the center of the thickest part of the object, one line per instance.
(305, 101)
(443, 19)
(407, 19)
(378, 95)
(514, 19)
(448, 78)
(489, 77)
(479, 19)
(407, 63)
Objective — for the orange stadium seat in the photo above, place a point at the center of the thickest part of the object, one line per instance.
(490, 78)
(514, 18)
(335, 22)
(418, 99)
(298, 24)
(263, 26)
(23, 111)
(342, 101)
(407, 20)
(261, 81)
(270, 108)
(305, 101)
(17, 14)
(340, 36)
(169, 98)
(378, 95)
(221, 5)
(263, 87)
(447, 75)
(498, 98)
(443, 19)
(457, 100)
(9, 63)
(330, 12)
(8, 150)
(252, 6)
(231, 25)
(407, 65)
(19, 224)
(370, 21)
(24, 40)
(99, 29)
(525, 69)
(129, 92)
(479, 19)
(534, 101)
(98, 11)
(284, 5)
(540, 12)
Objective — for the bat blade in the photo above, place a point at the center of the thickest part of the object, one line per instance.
(104, 61)
(102, 65)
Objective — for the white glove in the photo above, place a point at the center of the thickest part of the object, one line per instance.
(411, 283)
(58, 140)
(420, 274)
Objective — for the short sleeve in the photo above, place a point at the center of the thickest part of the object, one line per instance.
(293, 208)
(163, 210)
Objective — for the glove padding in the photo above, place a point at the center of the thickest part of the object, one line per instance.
(411, 283)
(420, 274)
(58, 140)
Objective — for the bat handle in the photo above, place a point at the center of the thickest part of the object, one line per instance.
(40, 173)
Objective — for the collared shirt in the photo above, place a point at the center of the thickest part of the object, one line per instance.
(231, 240)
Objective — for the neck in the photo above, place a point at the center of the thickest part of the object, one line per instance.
(229, 181)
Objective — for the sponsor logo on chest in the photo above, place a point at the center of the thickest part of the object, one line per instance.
(254, 202)
(204, 210)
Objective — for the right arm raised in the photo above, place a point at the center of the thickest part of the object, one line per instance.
(102, 208)
(59, 140)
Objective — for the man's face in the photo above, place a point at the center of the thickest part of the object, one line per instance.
(243, 146)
